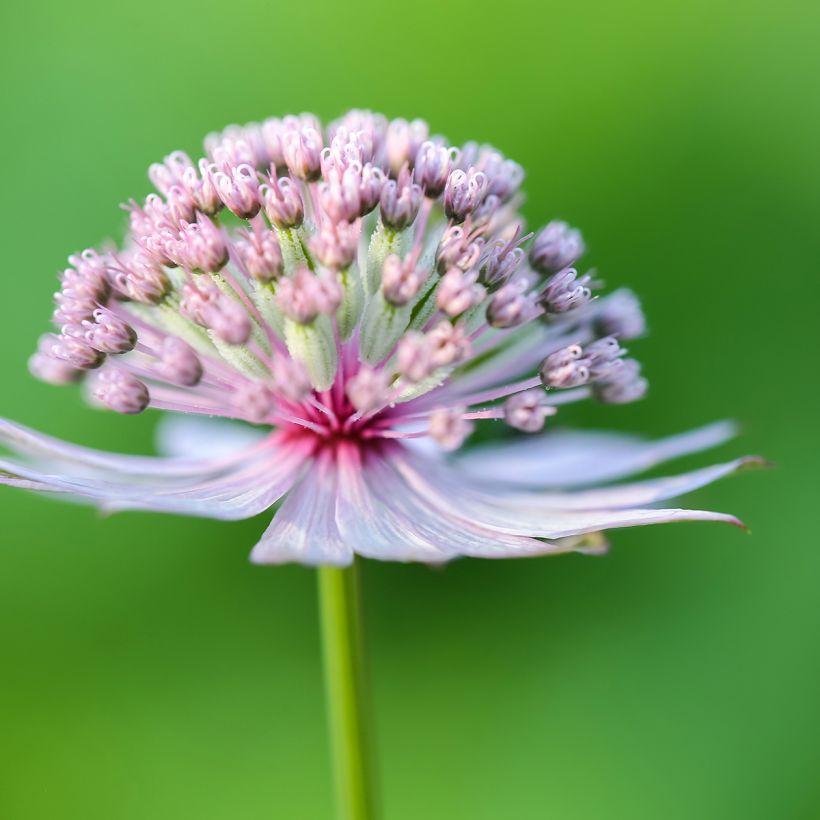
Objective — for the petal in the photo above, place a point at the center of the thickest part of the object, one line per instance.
(74, 458)
(567, 458)
(243, 484)
(635, 494)
(452, 535)
(512, 513)
(370, 522)
(304, 528)
(187, 436)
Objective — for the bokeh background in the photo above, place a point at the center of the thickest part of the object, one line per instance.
(148, 671)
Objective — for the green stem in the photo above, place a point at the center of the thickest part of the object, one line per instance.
(345, 688)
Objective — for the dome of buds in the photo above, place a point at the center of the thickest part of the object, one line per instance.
(353, 287)
(357, 243)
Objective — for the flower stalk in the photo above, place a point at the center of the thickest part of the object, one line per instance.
(346, 693)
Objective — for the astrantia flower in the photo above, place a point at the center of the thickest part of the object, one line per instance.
(356, 294)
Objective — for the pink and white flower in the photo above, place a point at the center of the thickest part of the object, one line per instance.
(333, 353)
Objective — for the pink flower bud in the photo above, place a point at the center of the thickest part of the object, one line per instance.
(527, 411)
(512, 305)
(339, 194)
(77, 353)
(178, 363)
(239, 189)
(306, 295)
(458, 249)
(254, 401)
(459, 291)
(283, 203)
(368, 389)
(204, 246)
(121, 391)
(109, 334)
(336, 245)
(43, 365)
(302, 150)
(260, 253)
(290, 379)
(449, 428)
(403, 142)
(565, 368)
(448, 344)
(432, 167)
(400, 201)
(414, 359)
(401, 281)
(464, 192)
(206, 305)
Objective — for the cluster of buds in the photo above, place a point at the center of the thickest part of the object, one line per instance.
(374, 266)
(616, 380)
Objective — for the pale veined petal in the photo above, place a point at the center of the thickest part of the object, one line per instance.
(239, 486)
(370, 521)
(492, 510)
(304, 528)
(568, 458)
(439, 525)
(620, 496)
(76, 459)
(187, 436)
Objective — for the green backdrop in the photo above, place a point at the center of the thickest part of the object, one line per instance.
(148, 671)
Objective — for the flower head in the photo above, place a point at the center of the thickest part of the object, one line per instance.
(379, 290)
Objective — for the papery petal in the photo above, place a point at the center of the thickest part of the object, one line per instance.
(568, 458)
(76, 459)
(228, 487)
(370, 521)
(304, 528)
(187, 436)
(621, 496)
(513, 513)
(440, 526)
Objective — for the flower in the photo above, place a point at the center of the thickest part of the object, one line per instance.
(375, 303)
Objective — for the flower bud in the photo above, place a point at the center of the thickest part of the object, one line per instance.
(336, 245)
(401, 280)
(254, 401)
(432, 168)
(290, 379)
(449, 428)
(527, 411)
(556, 247)
(177, 363)
(458, 292)
(43, 365)
(620, 315)
(206, 305)
(76, 352)
(403, 142)
(369, 389)
(121, 391)
(283, 203)
(464, 192)
(306, 295)
(109, 334)
(565, 291)
(400, 201)
(260, 253)
(565, 368)
(512, 305)
(457, 249)
(238, 189)
(302, 148)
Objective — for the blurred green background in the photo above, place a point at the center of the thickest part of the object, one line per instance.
(148, 671)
